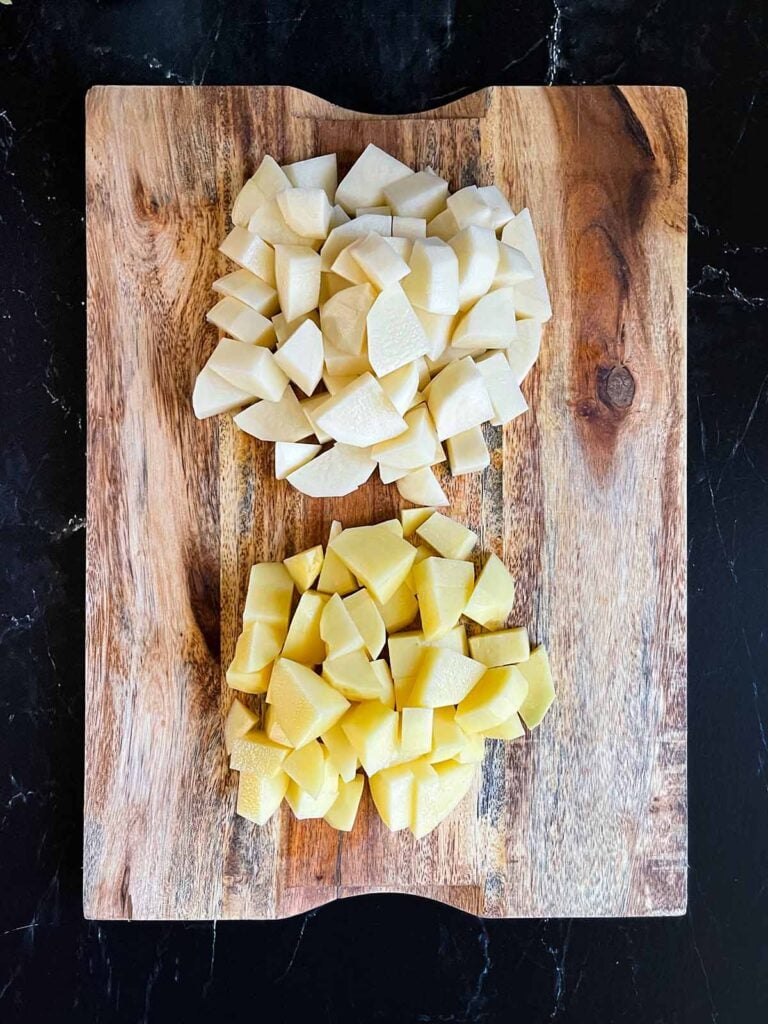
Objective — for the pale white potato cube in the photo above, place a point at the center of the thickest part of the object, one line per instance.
(336, 472)
(438, 328)
(402, 246)
(443, 226)
(412, 449)
(235, 318)
(409, 227)
(275, 421)
(532, 300)
(301, 356)
(450, 355)
(306, 211)
(365, 181)
(284, 329)
(317, 172)
(360, 414)
(338, 217)
(251, 252)
(330, 284)
(290, 456)
(384, 210)
(247, 201)
(478, 254)
(513, 267)
(458, 399)
(422, 488)
(501, 211)
(347, 267)
(212, 395)
(297, 274)
(533, 297)
(388, 474)
(268, 223)
(468, 452)
(345, 364)
(525, 348)
(506, 397)
(343, 318)
(420, 195)
(309, 407)
(342, 235)
(469, 208)
(433, 283)
(249, 367)
(395, 334)
(490, 323)
(401, 385)
(334, 384)
(264, 185)
(250, 289)
(378, 261)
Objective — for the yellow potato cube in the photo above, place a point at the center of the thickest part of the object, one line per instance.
(335, 577)
(258, 798)
(305, 567)
(449, 538)
(249, 682)
(304, 805)
(504, 647)
(305, 705)
(380, 559)
(257, 646)
(400, 610)
(304, 642)
(412, 518)
(541, 689)
(493, 596)
(387, 687)
(351, 674)
(509, 730)
(448, 738)
(371, 728)
(443, 585)
(392, 793)
(342, 814)
(405, 649)
(415, 732)
(306, 766)
(240, 720)
(341, 752)
(368, 620)
(270, 592)
(256, 753)
(337, 629)
(494, 700)
(444, 677)
(272, 727)
(403, 687)
(437, 792)
(473, 750)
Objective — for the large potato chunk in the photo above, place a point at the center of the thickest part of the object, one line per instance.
(276, 421)
(371, 728)
(395, 334)
(303, 642)
(444, 586)
(532, 297)
(437, 791)
(249, 367)
(300, 357)
(305, 567)
(468, 452)
(392, 793)
(351, 674)
(342, 814)
(292, 455)
(269, 595)
(304, 805)
(506, 397)
(338, 630)
(242, 322)
(317, 172)
(258, 798)
(341, 752)
(360, 414)
(343, 318)
(490, 323)
(336, 472)
(493, 701)
(306, 767)
(366, 617)
(240, 720)
(377, 557)
(541, 690)
(504, 647)
(419, 195)
(443, 677)
(493, 596)
(433, 283)
(449, 538)
(256, 753)
(378, 261)
(421, 487)
(306, 211)
(477, 251)
(335, 577)
(458, 399)
(305, 705)
(251, 252)
(213, 395)
(366, 180)
(297, 273)
(250, 289)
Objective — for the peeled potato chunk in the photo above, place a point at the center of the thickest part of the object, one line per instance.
(449, 538)
(297, 273)
(458, 399)
(351, 674)
(378, 558)
(477, 251)
(501, 211)
(497, 696)
(371, 728)
(276, 421)
(490, 323)
(415, 732)
(433, 283)
(533, 295)
(248, 288)
(400, 610)
(343, 318)
(251, 252)
(338, 630)
(412, 518)
(306, 211)
(401, 386)
(213, 395)
(511, 729)
(365, 181)
(249, 367)
(335, 577)
(506, 397)
(343, 812)
(420, 486)
(392, 793)
(301, 357)
(291, 455)
(337, 471)
(258, 798)
(395, 334)
(304, 642)
(419, 195)
(437, 792)
(468, 452)
(541, 690)
(448, 738)
(341, 752)
(368, 620)
(242, 322)
(256, 753)
(443, 677)
(306, 767)
(386, 683)
(360, 414)
(240, 720)
(513, 268)
(305, 705)
(258, 645)
(317, 172)
(469, 208)
(379, 262)
(269, 595)
(444, 586)
(504, 647)
(524, 350)
(493, 596)
(304, 805)
(305, 567)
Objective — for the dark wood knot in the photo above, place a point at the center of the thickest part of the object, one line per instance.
(615, 386)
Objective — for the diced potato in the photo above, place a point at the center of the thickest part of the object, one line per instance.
(335, 577)
(249, 367)
(389, 474)
(256, 753)
(392, 793)
(213, 395)
(284, 329)
(249, 682)
(443, 226)
(303, 642)
(401, 386)
(305, 705)
(448, 738)
(444, 586)
(409, 227)
(421, 487)
(470, 209)
(438, 328)
(276, 421)
(377, 557)
(450, 355)
(414, 447)
(493, 596)
(371, 728)
(343, 318)
(490, 323)
(250, 252)
(272, 727)
(493, 701)
(306, 211)
(250, 289)
(458, 399)
(473, 750)
(301, 357)
(304, 805)
(400, 610)
(305, 567)
(258, 798)
(292, 455)
(433, 283)
(346, 266)
(437, 792)
(240, 720)
(403, 687)
(317, 172)
(406, 649)
(342, 814)
(512, 729)
(386, 684)
(415, 732)
(524, 350)
(268, 223)
(341, 752)
(506, 397)
(242, 322)
(297, 273)
(501, 211)
(366, 180)
(412, 518)
(338, 630)
(384, 209)
(503, 647)
(402, 246)
(351, 674)
(420, 195)
(306, 767)
(378, 261)
(360, 414)
(468, 452)
(258, 645)
(533, 297)
(368, 620)
(395, 334)
(336, 472)
(339, 363)
(478, 254)
(334, 384)
(309, 407)
(541, 689)
(513, 267)
(330, 284)
(449, 538)
(343, 234)
(444, 677)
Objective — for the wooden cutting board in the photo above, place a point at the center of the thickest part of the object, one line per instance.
(584, 500)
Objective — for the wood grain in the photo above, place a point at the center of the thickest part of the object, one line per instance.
(584, 499)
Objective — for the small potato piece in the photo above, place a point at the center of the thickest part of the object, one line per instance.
(276, 421)
(513, 267)
(384, 209)
(420, 195)
(213, 395)
(392, 793)
(284, 329)
(336, 472)
(449, 538)
(415, 732)
(303, 642)
(301, 356)
(338, 630)
(503, 647)
(371, 728)
(351, 674)
(433, 283)
(304, 805)
(342, 814)
(297, 272)
(414, 447)
(401, 386)
(270, 593)
(533, 297)
(268, 223)
(305, 567)
(305, 705)
(250, 367)
(511, 729)
(272, 727)
(366, 180)
(395, 334)
(250, 289)
(257, 646)
(501, 211)
(344, 364)
(444, 586)
(255, 752)
(444, 677)
(258, 798)
(437, 792)
(524, 350)
(360, 414)
(493, 701)
(443, 226)
(493, 596)
(406, 649)
(409, 227)
(506, 397)
(387, 692)
(458, 399)
(400, 610)
(448, 738)
(335, 577)
(251, 252)
(345, 233)
(306, 766)
(438, 328)
(343, 318)
(378, 558)
(470, 209)
(468, 452)
(366, 617)
(242, 322)
(306, 211)
(291, 455)
(240, 720)
(490, 323)
(249, 682)
(317, 172)
(421, 487)
(341, 752)
(541, 689)
(477, 250)
(378, 261)
(412, 518)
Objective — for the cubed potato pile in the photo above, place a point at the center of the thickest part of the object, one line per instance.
(373, 321)
(372, 674)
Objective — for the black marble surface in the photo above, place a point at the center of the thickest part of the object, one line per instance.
(379, 958)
